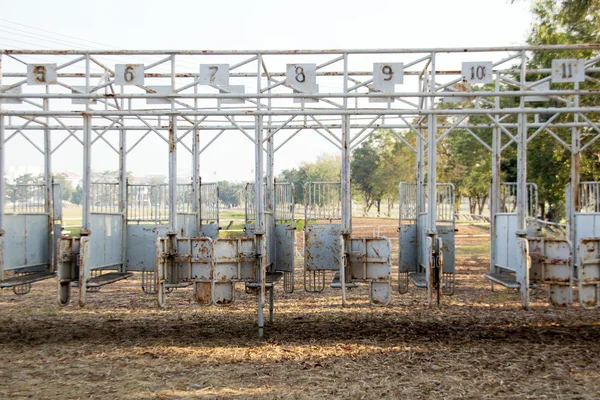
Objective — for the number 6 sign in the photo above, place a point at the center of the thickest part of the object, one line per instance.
(477, 72)
(129, 74)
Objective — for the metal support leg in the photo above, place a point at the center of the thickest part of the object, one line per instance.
(271, 303)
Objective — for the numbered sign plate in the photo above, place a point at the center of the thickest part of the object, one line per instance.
(162, 89)
(41, 74)
(568, 70)
(302, 77)
(81, 89)
(477, 72)
(214, 74)
(387, 75)
(129, 74)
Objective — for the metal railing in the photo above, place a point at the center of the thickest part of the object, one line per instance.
(508, 198)
(589, 197)
(25, 198)
(407, 200)
(147, 202)
(209, 202)
(284, 202)
(323, 201)
(105, 197)
(445, 201)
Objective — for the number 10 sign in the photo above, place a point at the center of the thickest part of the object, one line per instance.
(477, 72)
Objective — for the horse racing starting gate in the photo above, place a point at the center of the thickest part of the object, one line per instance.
(65, 102)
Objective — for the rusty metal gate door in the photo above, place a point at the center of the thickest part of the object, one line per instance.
(585, 236)
(408, 244)
(147, 220)
(323, 244)
(510, 254)
(414, 253)
(284, 234)
(371, 260)
(27, 243)
(182, 262)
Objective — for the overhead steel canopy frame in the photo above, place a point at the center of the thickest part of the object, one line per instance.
(342, 95)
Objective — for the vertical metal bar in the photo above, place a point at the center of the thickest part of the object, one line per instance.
(259, 221)
(433, 293)
(575, 200)
(197, 186)
(173, 159)
(2, 188)
(270, 197)
(48, 186)
(346, 195)
(496, 180)
(123, 195)
(522, 181)
(259, 205)
(87, 158)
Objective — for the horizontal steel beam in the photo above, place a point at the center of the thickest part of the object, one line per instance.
(594, 46)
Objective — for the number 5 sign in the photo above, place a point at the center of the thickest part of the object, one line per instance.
(477, 72)
(41, 74)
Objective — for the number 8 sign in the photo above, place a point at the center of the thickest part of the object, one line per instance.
(477, 72)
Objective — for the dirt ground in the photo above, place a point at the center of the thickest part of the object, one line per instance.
(122, 346)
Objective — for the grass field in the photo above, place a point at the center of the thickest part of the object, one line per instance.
(480, 345)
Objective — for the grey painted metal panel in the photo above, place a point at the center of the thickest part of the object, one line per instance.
(407, 251)
(506, 241)
(370, 260)
(589, 272)
(588, 226)
(284, 248)
(105, 241)
(233, 260)
(323, 247)
(25, 240)
(422, 236)
(187, 225)
(141, 246)
(210, 231)
(446, 233)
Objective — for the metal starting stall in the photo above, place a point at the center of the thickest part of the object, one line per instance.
(417, 261)
(343, 96)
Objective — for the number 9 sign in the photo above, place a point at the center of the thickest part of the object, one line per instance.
(387, 75)
(129, 74)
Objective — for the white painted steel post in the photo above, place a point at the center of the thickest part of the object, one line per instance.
(523, 274)
(270, 203)
(434, 294)
(196, 183)
(346, 189)
(496, 181)
(259, 231)
(2, 188)
(259, 204)
(48, 185)
(86, 201)
(173, 162)
(574, 205)
(123, 195)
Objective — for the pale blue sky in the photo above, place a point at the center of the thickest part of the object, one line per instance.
(265, 24)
